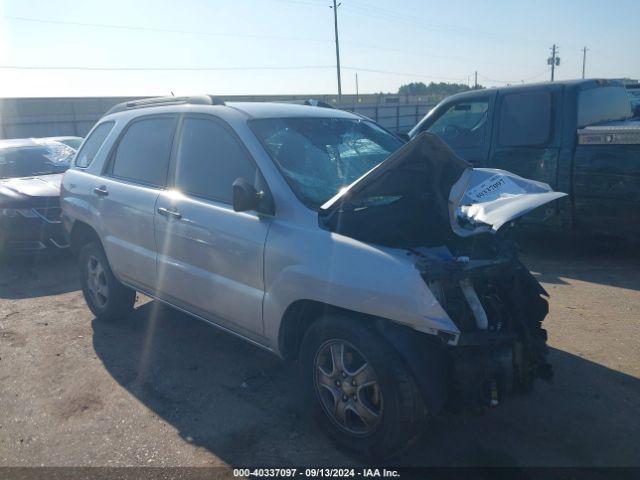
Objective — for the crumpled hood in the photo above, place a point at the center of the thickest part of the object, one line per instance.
(471, 200)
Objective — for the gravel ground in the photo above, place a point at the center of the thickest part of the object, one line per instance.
(162, 389)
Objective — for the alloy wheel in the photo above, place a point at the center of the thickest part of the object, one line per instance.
(97, 282)
(348, 388)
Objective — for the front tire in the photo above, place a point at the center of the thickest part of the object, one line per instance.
(107, 298)
(365, 399)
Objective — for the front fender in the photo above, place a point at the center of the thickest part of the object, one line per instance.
(310, 264)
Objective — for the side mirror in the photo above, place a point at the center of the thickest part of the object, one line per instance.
(245, 196)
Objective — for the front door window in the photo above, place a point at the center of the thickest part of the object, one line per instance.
(463, 124)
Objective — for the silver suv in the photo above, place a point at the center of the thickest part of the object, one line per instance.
(317, 235)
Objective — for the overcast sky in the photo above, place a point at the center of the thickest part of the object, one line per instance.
(286, 46)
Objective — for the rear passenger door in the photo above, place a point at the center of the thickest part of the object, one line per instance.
(126, 197)
(210, 258)
(526, 138)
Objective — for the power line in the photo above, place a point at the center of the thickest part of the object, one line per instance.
(367, 9)
(155, 69)
(405, 74)
(162, 29)
(433, 55)
(371, 11)
(510, 82)
(189, 69)
(257, 36)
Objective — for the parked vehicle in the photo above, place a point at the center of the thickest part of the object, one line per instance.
(391, 288)
(574, 135)
(30, 175)
(633, 90)
(73, 142)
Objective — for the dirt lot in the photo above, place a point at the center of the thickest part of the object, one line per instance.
(163, 389)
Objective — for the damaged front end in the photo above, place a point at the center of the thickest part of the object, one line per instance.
(445, 215)
(498, 306)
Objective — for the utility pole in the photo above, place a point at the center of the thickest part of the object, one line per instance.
(584, 59)
(554, 60)
(475, 83)
(357, 88)
(335, 22)
(355, 100)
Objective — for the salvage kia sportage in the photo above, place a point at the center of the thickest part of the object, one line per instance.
(317, 235)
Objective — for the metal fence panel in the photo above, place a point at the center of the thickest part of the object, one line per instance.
(46, 117)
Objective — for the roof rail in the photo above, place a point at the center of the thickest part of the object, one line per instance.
(312, 102)
(164, 101)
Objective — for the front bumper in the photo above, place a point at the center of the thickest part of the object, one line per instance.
(481, 376)
(481, 371)
(39, 232)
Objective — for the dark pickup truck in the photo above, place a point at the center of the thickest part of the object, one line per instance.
(577, 136)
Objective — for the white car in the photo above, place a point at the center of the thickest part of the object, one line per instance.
(317, 235)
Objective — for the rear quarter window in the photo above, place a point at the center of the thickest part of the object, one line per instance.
(525, 119)
(603, 104)
(92, 144)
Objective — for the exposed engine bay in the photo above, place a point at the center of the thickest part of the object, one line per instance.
(499, 308)
(446, 215)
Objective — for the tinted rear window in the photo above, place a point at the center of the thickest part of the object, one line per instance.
(144, 150)
(603, 104)
(525, 119)
(92, 145)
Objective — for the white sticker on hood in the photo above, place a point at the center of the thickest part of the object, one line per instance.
(493, 188)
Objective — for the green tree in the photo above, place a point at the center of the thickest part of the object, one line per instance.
(433, 91)
(413, 88)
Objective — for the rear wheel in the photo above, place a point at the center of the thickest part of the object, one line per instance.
(107, 298)
(365, 398)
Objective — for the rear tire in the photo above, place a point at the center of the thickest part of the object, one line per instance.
(107, 298)
(364, 397)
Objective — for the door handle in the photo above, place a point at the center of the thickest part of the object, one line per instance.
(101, 190)
(165, 212)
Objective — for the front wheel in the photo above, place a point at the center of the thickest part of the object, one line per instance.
(365, 398)
(107, 298)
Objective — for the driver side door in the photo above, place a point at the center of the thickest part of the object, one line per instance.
(465, 125)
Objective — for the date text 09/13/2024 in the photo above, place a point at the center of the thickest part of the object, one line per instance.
(316, 472)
